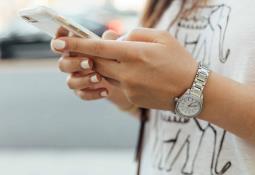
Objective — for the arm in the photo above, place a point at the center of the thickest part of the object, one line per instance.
(230, 105)
(152, 68)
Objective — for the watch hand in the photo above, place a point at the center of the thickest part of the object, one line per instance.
(192, 105)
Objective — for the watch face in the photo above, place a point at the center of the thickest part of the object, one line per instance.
(189, 106)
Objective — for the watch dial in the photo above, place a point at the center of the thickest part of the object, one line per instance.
(189, 106)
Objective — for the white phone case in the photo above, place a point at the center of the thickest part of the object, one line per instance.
(50, 22)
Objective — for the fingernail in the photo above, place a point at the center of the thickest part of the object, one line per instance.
(122, 38)
(58, 44)
(85, 64)
(94, 79)
(104, 94)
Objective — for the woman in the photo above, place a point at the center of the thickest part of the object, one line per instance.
(195, 75)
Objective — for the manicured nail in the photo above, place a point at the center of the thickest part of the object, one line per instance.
(58, 44)
(104, 94)
(94, 79)
(85, 64)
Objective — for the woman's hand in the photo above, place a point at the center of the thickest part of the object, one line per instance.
(151, 67)
(86, 83)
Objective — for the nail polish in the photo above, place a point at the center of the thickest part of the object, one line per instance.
(58, 44)
(85, 64)
(94, 79)
(104, 94)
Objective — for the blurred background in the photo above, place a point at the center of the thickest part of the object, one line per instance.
(44, 128)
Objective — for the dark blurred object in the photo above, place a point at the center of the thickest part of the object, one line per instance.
(26, 46)
(22, 43)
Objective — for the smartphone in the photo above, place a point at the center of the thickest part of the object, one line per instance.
(49, 21)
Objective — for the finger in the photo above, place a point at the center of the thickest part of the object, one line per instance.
(107, 49)
(89, 94)
(102, 84)
(110, 35)
(61, 32)
(74, 54)
(53, 48)
(83, 82)
(148, 35)
(75, 64)
(113, 82)
(107, 68)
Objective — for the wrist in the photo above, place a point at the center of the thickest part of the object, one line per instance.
(188, 77)
(132, 108)
(120, 100)
(216, 96)
(127, 107)
(190, 103)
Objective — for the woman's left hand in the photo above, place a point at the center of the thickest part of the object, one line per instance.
(150, 65)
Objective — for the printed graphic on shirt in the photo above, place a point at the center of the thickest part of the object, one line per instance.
(208, 26)
(187, 138)
(199, 31)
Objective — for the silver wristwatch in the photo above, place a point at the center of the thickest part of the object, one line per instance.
(190, 104)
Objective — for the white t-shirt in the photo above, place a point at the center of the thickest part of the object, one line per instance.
(222, 34)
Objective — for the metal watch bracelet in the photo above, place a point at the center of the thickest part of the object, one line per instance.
(200, 80)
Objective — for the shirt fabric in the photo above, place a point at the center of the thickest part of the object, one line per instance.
(222, 35)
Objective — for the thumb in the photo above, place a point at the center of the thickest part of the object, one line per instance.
(110, 35)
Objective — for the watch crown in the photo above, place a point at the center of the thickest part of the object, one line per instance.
(176, 99)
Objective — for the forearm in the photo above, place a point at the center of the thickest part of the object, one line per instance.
(230, 105)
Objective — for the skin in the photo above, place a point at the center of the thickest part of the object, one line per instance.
(78, 79)
(150, 68)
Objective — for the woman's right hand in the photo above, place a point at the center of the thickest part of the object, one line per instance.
(86, 83)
